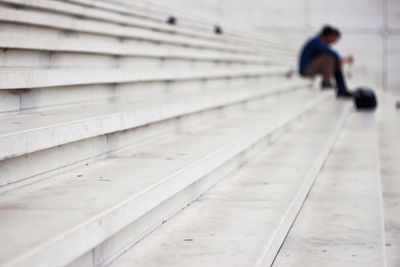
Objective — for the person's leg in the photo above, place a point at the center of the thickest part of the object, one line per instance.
(340, 81)
(323, 64)
(326, 65)
(327, 68)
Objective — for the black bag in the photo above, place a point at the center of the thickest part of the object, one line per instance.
(365, 99)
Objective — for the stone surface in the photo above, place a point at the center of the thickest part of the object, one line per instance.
(76, 76)
(341, 222)
(389, 146)
(30, 132)
(54, 221)
(243, 219)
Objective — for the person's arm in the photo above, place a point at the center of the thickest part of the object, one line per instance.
(345, 60)
(349, 59)
(327, 49)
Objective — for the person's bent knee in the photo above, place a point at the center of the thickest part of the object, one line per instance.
(307, 75)
(311, 72)
(328, 57)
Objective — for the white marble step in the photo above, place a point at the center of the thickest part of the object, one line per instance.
(243, 220)
(152, 19)
(53, 222)
(97, 27)
(147, 19)
(341, 222)
(26, 133)
(134, 17)
(108, 25)
(21, 78)
(188, 18)
(13, 35)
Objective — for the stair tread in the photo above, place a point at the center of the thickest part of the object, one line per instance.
(19, 133)
(21, 78)
(70, 206)
(239, 221)
(340, 223)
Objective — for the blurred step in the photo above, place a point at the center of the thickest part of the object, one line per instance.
(96, 25)
(92, 16)
(52, 39)
(341, 222)
(243, 220)
(37, 78)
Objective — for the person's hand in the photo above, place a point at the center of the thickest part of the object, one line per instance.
(349, 60)
(346, 60)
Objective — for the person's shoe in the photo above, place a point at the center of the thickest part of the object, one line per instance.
(326, 86)
(344, 94)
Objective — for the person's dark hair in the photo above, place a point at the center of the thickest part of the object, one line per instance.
(329, 30)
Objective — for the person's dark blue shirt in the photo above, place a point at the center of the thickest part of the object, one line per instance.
(313, 48)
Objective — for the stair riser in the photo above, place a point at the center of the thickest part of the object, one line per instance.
(77, 41)
(116, 16)
(187, 27)
(72, 25)
(53, 97)
(29, 168)
(14, 58)
(20, 143)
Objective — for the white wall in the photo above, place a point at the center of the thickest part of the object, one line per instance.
(262, 14)
(393, 45)
(371, 28)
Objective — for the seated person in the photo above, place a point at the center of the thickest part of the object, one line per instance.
(318, 58)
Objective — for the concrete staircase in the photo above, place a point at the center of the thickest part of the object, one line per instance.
(125, 141)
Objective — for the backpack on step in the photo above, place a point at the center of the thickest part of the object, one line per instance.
(365, 99)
